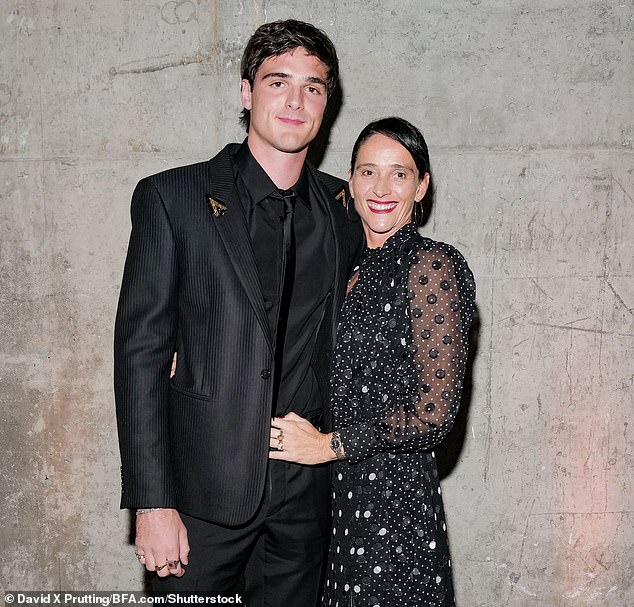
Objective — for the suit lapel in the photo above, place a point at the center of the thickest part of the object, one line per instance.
(227, 213)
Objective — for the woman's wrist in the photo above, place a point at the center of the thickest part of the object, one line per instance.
(336, 446)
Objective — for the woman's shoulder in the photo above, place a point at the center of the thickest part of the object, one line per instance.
(424, 245)
(437, 254)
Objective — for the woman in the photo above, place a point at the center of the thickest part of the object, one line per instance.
(397, 380)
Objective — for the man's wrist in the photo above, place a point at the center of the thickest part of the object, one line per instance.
(146, 510)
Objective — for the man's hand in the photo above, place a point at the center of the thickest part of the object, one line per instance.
(162, 538)
(301, 442)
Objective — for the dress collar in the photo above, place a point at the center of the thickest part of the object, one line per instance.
(400, 237)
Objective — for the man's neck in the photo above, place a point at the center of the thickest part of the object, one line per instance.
(284, 168)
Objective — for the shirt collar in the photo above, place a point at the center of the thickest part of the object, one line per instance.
(259, 185)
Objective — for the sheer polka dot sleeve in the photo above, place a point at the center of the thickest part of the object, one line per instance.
(430, 354)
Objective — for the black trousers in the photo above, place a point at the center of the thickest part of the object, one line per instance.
(278, 557)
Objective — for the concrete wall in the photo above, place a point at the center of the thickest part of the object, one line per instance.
(527, 108)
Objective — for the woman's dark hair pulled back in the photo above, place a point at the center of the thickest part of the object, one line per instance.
(401, 131)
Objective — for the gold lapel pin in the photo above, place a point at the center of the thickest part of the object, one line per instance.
(342, 196)
(217, 208)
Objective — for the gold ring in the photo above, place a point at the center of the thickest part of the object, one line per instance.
(159, 567)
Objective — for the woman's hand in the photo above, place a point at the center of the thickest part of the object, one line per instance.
(295, 439)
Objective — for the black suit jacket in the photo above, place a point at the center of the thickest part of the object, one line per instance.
(199, 442)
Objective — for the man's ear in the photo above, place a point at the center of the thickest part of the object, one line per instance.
(245, 94)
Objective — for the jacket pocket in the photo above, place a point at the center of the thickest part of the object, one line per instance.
(189, 393)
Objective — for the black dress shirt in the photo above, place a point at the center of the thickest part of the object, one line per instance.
(313, 279)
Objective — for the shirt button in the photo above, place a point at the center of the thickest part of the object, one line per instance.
(265, 373)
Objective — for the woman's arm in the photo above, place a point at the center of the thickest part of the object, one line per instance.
(441, 311)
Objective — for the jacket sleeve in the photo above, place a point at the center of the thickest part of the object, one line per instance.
(145, 333)
(440, 310)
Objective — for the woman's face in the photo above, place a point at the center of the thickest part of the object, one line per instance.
(384, 184)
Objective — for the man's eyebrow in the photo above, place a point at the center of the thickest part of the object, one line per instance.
(316, 80)
(311, 79)
(275, 75)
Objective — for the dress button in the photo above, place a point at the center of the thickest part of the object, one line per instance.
(265, 373)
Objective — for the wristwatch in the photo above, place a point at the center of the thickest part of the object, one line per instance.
(337, 446)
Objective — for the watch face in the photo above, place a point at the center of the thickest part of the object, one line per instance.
(335, 443)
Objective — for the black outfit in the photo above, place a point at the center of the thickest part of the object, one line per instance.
(312, 280)
(199, 443)
(398, 371)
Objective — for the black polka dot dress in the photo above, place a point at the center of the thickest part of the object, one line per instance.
(399, 367)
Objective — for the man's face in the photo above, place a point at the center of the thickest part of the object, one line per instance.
(287, 101)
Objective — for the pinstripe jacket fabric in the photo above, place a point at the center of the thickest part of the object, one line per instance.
(199, 442)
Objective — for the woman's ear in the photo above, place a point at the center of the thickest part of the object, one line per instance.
(350, 183)
(421, 190)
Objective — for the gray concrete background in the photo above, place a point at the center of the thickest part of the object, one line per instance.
(528, 111)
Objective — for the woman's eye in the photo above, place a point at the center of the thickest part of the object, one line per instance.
(366, 173)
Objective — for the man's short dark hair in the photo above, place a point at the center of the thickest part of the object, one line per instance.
(279, 37)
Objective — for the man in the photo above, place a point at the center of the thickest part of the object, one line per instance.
(239, 265)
